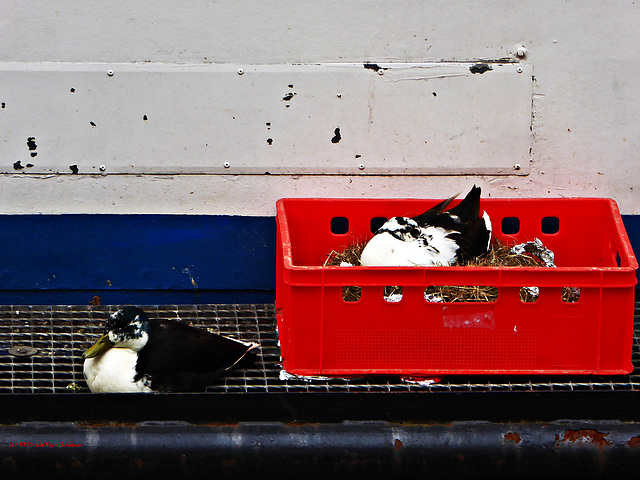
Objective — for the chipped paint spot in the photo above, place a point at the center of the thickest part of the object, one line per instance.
(18, 165)
(270, 141)
(373, 66)
(92, 124)
(512, 437)
(397, 444)
(337, 136)
(480, 68)
(187, 271)
(634, 442)
(31, 144)
(584, 436)
(74, 169)
(288, 96)
(4, 105)
(145, 118)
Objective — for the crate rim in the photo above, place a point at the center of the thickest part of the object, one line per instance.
(626, 248)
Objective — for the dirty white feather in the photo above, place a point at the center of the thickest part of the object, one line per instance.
(432, 248)
(114, 371)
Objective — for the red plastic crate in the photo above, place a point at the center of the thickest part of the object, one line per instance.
(322, 334)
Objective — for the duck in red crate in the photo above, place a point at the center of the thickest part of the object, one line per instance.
(437, 237)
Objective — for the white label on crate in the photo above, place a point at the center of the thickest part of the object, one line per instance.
(480, 317)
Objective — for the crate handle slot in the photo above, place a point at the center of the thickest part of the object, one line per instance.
(529, 294)
(461, 294)
(339, 225)
(376, 223)
(392, 294)
(510, 225)
(550, 225)
(570, 294)
(351, 293)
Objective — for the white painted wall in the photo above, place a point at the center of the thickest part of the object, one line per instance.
(586, 127)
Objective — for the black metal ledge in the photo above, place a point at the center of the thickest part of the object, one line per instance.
(335, 450)
(323, 407)
(257, 423)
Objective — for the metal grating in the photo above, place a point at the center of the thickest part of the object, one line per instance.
(41, 352)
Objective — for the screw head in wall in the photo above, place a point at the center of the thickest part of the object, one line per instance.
(226, 164)
(240, 71)
(110, 73)
(103, 168)
(361, 166)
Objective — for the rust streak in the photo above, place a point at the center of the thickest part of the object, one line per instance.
(634, 442)
(585, 436)
(512, 437)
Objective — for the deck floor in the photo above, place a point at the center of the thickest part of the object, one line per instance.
(41, 352)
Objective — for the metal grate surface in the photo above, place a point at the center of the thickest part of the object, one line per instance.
(41, 352)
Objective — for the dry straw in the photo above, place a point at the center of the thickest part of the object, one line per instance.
(499, 255)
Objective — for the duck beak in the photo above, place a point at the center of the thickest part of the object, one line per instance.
(101, 346)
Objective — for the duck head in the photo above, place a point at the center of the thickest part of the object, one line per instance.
(126, 328)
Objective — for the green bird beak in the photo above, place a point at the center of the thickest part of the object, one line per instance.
(101, 346)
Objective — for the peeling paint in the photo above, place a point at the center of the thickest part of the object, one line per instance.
(634, 442)
(189, 273)
(480, 68)
(512, 437)
(373, 66)
(74, 169)
(584, 436)
(31, 144)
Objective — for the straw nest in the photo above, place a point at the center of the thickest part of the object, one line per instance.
(499, 255)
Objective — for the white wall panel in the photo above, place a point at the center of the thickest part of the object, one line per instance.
(438, 118)
(585, 124)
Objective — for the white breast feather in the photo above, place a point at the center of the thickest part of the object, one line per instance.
(487, 223)
(384, 250)
(113, 372)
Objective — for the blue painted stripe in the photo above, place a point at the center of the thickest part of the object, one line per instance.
(137, 256)
(145, 259)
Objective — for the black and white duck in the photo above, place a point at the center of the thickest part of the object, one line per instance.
(437, 237)
(138, 354)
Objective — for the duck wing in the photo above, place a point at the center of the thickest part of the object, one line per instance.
(425, 218)
(471, 232)
(468, 210)
(182, 358)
